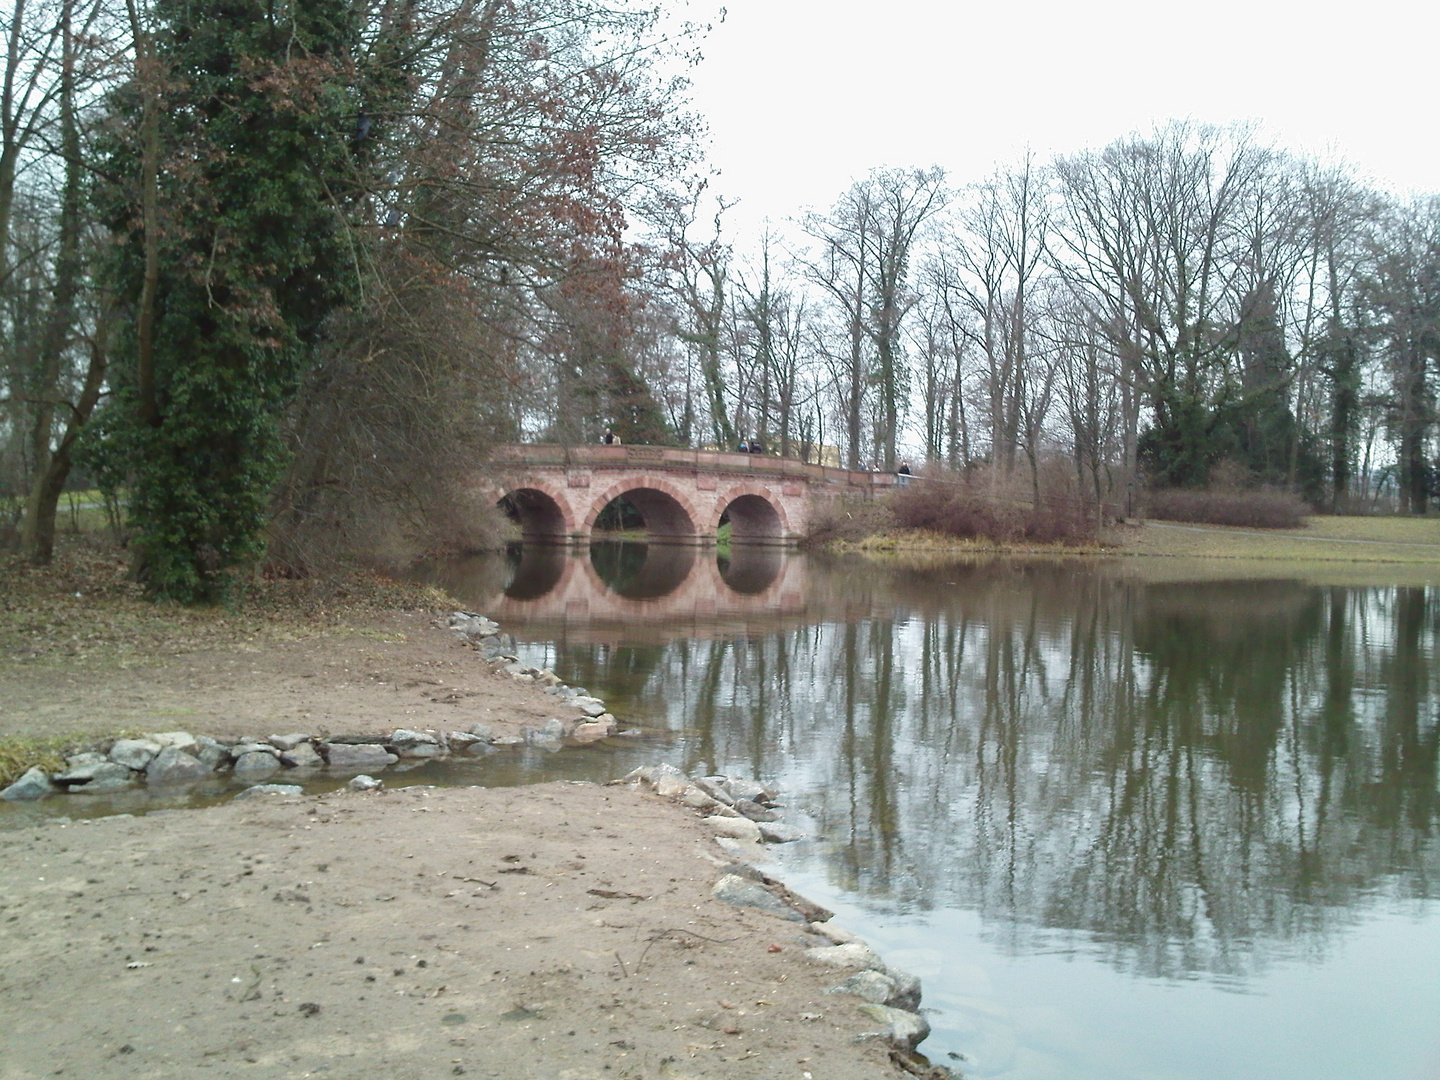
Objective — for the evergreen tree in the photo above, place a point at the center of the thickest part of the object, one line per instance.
(258, 125)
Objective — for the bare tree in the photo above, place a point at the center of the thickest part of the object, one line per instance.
(1149, 243)
(990, 268)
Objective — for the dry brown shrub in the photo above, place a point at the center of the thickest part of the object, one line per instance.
(999, 508)
(392, 429)
(849, 520)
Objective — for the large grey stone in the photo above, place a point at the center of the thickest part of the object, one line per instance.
(589, 706)
(179, 740)
(779, 833)
(737, 828)
(174, 766)
(693, 797)
(270, 789)
(288, 742)
(255, 763)
(101, 785)
(739, 892)
(907, 990)
(837, 935)
(671, 787)
(650, 774)
(714, 786)
(750, 789)
(303, 756)
(873, 986)
(365, 783)
(210, 752)
(82, 776)
(905, 1030)
(854, 955)
(468, 624)
(482, 730)
(552, 731)
(415, 744)
(593, 731)
(34, 783)
(134, 753)
(755, 812)
(87, 757)
(358, 757)
(249, 747)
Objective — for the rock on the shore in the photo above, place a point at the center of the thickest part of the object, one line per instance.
(869, 985)
(837, 935)
(779, 833)
(896, 989)
(288, 742)
(365, 783)
(739, 892)
(134, 753)
(602, 727)
(178, 740)
(415, 744)
(33, 784)
(210, 752)
(357, 757)
(854, 955)
(905, 1030)
(172, 766)
(303, 756)
(737, 828)
(589, 706)
(255, 763)
(96, 776)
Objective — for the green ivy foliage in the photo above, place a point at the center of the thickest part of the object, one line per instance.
(258, 135)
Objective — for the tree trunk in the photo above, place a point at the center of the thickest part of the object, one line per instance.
(37, 534)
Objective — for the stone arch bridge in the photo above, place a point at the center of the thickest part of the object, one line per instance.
(682, 494)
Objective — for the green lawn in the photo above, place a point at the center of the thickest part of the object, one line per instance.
(1344, 539)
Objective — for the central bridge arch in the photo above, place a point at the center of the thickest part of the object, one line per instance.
(668, 512)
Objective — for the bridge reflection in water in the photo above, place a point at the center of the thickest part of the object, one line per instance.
(664, 586)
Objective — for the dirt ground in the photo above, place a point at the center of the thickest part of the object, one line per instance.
(560, 931)
(371, 673)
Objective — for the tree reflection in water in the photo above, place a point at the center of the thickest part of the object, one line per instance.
(1195, 777)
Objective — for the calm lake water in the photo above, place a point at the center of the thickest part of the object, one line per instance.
(1127, 819)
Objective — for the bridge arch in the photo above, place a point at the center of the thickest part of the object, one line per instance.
(668, 512)
(543, 511)
(756, 515)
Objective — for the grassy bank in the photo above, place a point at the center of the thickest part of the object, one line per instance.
(1321, 539)
(1325, 539)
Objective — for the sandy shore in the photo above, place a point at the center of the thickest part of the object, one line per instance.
(562, 930)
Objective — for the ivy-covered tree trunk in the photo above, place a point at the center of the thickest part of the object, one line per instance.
(255, 139)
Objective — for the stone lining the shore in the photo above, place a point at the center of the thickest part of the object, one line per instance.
(892, 997)
(174, 757)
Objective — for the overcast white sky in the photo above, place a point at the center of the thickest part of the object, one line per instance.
(804, 95)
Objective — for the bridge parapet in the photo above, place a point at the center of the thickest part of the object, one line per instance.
(682, 458)
(559, 491)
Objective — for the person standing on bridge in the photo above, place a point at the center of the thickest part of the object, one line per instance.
(610, 438)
